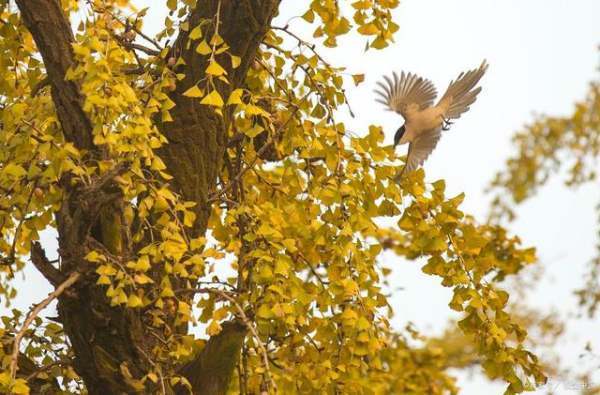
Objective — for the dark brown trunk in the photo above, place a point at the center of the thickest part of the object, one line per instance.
(111, 344)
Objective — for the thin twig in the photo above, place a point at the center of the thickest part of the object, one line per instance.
(73, 277)
(267, 144)
(139, 47)
(47, 367)
(156, 367)
(312, 47)
(217, 23)
(303, 42)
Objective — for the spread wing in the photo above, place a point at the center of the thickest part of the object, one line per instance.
(420, 149)
(461, 93)
(397, 92)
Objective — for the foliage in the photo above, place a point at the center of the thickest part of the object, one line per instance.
(569, 146)
(292, 247)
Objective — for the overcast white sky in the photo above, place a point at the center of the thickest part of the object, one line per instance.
(542, 54)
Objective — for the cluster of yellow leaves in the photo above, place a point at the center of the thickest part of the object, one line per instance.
(35, 159)
(211, 48)
(547, 146)
(470, 258)
(296, 215)
(44, 344)
(372, 18)
(308, 229)
(33, 155)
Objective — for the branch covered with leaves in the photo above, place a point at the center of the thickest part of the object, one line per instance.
(199, 176)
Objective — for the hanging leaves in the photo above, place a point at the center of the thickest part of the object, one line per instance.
(294, 247)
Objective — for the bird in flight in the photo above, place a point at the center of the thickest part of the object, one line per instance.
(412, 97)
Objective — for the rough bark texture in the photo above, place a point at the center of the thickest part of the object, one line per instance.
(108, 341)
(198, 136)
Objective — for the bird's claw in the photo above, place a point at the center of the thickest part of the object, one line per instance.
(446, 124)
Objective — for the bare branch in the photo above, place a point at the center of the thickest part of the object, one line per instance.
(34, 313)
(134, 46)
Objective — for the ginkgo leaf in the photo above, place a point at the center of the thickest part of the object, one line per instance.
(134, 301)
(358, 78)
(203, 48)
(215, 69)
(235, 97)
(235, 61)
(194, 91)
(368, 29)
(196, 33)
(213, 99)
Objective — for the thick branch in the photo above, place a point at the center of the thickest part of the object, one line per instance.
(105, 338)
(198, 136)
(38, 257)
(52, 33)
(210, 372)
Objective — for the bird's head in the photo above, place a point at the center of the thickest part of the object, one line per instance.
(399, 134)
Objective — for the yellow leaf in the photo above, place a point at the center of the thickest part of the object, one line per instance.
(358, 78)
(235, 97)
(134, 301)
(93, 256)
(196, 33)
(214, 328)
(142, 279)
(368, 30)
(20, 387)
(362, 5)
(235, 61)
(203, 48)
(213, 99)
(14, 170)
(264, 312)
(216, 39)
(309, 16)
(194, 91)
(215, 69)
(363, 324)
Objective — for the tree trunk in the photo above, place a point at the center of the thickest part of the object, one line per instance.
(110, 344)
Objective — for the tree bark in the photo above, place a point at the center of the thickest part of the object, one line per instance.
(110, 343)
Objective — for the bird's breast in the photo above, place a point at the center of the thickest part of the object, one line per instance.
(430, 118)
